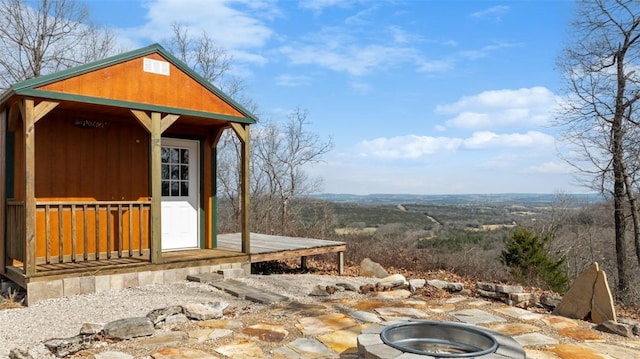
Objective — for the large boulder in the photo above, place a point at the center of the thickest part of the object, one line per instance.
(369, 268)
(589, 296)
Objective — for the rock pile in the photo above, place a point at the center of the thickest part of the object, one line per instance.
(128, 328)
(513, 295)
(588, 298)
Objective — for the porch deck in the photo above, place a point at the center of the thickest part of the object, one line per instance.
(263, 248)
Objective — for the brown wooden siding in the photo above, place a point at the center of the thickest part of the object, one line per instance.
(128, 82)
(18, 173)
(108, 163)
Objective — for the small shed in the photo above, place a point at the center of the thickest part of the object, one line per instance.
(110, 168)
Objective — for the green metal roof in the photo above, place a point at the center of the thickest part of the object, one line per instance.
(30, 87)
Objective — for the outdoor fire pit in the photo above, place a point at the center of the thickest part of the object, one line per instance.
(434, 339)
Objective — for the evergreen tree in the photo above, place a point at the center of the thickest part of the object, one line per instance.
(526, 255)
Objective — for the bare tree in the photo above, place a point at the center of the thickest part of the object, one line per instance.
(201, 54)
(48, 37)
(599, 120)
(283, 150)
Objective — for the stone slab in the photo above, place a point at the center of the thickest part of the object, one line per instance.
(576, 303)
(244, 291)
(476, 316)
(341, 341)
(311, 348)
(112, 355)
(533, 339)
(514, 328)
(266, 332)
(560, 322)
(265, 297)
(232, 287)
(519, 313)
(365, 316)
(241, 350)
(181, 353)
(602, 306)
(390, 312)
(163, 339)
(570, 351)
(285, 353)
(205, 277)
(539, 354)
(614, 351)
(581, 334)
(325, 323)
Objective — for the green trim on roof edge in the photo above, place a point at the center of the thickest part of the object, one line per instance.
(132, 105)
(28, 86)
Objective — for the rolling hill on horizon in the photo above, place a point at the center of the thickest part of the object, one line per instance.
(527, 199)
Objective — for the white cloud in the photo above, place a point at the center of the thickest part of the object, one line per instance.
(488, 139)
(495, 12)
(415, 147)
(436, 65)
(363, 17)
(288, 80)
(550, 167)
(502, 108)
(236, 25)
(352, 59)
(486, 50)
(360, 87)
(407, 147)
(319, 5)
(399, 36)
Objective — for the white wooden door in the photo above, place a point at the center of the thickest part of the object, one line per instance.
(179, 194)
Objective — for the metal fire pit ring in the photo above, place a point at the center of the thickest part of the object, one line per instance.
(439, 339)
(435, 339)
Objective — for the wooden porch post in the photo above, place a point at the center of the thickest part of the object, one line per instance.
(155, 125)
(3, 181)
(29, 187)
(156, 188)
(210, 189)
(242, 130)
(30, 115)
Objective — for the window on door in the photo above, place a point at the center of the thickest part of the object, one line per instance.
(175, 172)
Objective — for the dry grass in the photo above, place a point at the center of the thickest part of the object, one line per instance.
(11, 302)
(348, 230)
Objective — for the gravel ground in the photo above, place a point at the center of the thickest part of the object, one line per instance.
(61, 318)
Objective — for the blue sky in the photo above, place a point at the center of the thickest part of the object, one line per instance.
(422, 97)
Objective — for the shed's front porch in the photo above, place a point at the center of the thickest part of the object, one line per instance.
(54, 280)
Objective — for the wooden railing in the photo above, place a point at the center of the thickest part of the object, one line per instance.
(86, 231)
(15, 230)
